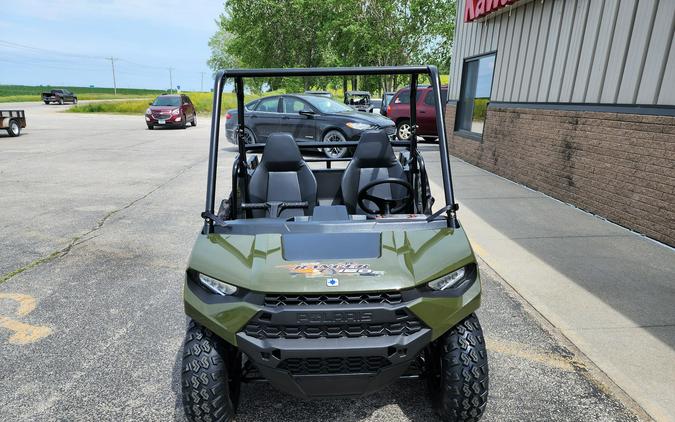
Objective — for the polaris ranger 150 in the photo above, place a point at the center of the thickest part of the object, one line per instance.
(331, 282)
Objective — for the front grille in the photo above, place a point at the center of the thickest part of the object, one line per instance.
(405, 324)
(334, 365)
(392, 298)
(161, 116)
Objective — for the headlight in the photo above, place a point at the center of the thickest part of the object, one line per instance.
(175, 111)
(449, 280)
(217, 286)
(360, 126)
(148, 111)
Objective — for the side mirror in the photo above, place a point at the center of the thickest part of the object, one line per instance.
(307, 113)
(149, 103)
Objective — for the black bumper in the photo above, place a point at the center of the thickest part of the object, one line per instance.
(333, 351)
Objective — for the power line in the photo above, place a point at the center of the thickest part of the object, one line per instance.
(63, 53)
(68, 58)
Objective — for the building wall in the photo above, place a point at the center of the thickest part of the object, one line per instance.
(617, 165)
(580, 51)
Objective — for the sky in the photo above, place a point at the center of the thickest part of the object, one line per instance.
(66, 42)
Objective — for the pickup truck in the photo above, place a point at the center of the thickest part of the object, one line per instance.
(59, 96)
(13, 121)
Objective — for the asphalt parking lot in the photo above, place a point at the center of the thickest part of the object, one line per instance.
(97, 218)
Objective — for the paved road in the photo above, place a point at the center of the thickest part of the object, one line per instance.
(97, 217)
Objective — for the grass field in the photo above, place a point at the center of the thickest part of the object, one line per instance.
(16, 93)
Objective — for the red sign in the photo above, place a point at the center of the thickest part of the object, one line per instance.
(476, 9)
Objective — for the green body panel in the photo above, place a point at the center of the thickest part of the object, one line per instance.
(256, 263)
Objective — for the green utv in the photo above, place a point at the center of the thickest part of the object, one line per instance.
(331, 282)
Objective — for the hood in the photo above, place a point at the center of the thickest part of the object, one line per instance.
(163, 109)
(370, 118)
(257, 262)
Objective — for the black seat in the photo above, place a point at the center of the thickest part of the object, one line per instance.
(282, 176)
(373, 159)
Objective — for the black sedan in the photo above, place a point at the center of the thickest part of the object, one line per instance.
(308, 118)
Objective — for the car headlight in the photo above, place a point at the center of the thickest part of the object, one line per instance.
(148, 111)
(360, 126)
(449, 280)
(217, 286)
(175, 111)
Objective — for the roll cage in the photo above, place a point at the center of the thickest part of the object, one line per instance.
(241, 162)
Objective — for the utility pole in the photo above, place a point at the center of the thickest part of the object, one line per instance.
(112, 62)
(201, 86)
(171, 80)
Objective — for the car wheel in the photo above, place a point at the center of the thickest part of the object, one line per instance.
(194, 120)
(14, 128)
(334, 152)
(403, 130)
(151, 127)
(249, 136)
(184, 120)
(60, 101)
(211, 377)
(74, 100)
(457, 372)
(46, 102)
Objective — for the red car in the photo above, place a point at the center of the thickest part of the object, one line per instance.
(398, 110)
(171, 110)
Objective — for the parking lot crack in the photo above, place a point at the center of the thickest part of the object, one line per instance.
(99, 224)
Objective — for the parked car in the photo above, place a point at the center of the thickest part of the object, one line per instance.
(384, 102)
(59, 96)
(319, 93)
(359, 100)
(306, 117)
(171, 110)
(398, 110)
(12, 121)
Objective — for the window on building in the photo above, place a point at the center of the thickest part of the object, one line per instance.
(475, 93)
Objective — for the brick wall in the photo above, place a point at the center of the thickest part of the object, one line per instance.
(617, 165)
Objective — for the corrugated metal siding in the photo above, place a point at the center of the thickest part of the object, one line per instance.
(582, 51)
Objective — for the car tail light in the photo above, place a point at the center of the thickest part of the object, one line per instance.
(228, 116)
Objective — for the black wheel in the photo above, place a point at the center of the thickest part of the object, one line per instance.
(334, 136)
(211, 376)
(403, 130)
(457, 372)
(194, 120)
(184, 122)
(74, 100)
(249, 136)
(14, 128)
(46, 102)
(151, 127)
(60, 101)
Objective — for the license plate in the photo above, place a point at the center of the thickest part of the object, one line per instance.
(162, 121)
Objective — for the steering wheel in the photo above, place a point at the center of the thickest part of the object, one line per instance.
(385, 205)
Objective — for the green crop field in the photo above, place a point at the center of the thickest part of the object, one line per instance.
(15, 93)
(203, 102)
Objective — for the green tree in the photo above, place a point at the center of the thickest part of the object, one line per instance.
(310, 33)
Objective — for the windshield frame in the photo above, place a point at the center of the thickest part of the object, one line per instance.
(240, 166)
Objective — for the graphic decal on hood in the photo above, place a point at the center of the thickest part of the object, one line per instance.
(317, 269)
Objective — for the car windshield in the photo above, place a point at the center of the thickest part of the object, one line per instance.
(326, 105)
(167, 101)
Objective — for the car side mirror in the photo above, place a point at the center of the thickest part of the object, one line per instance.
(307, 113)
(149, 103)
